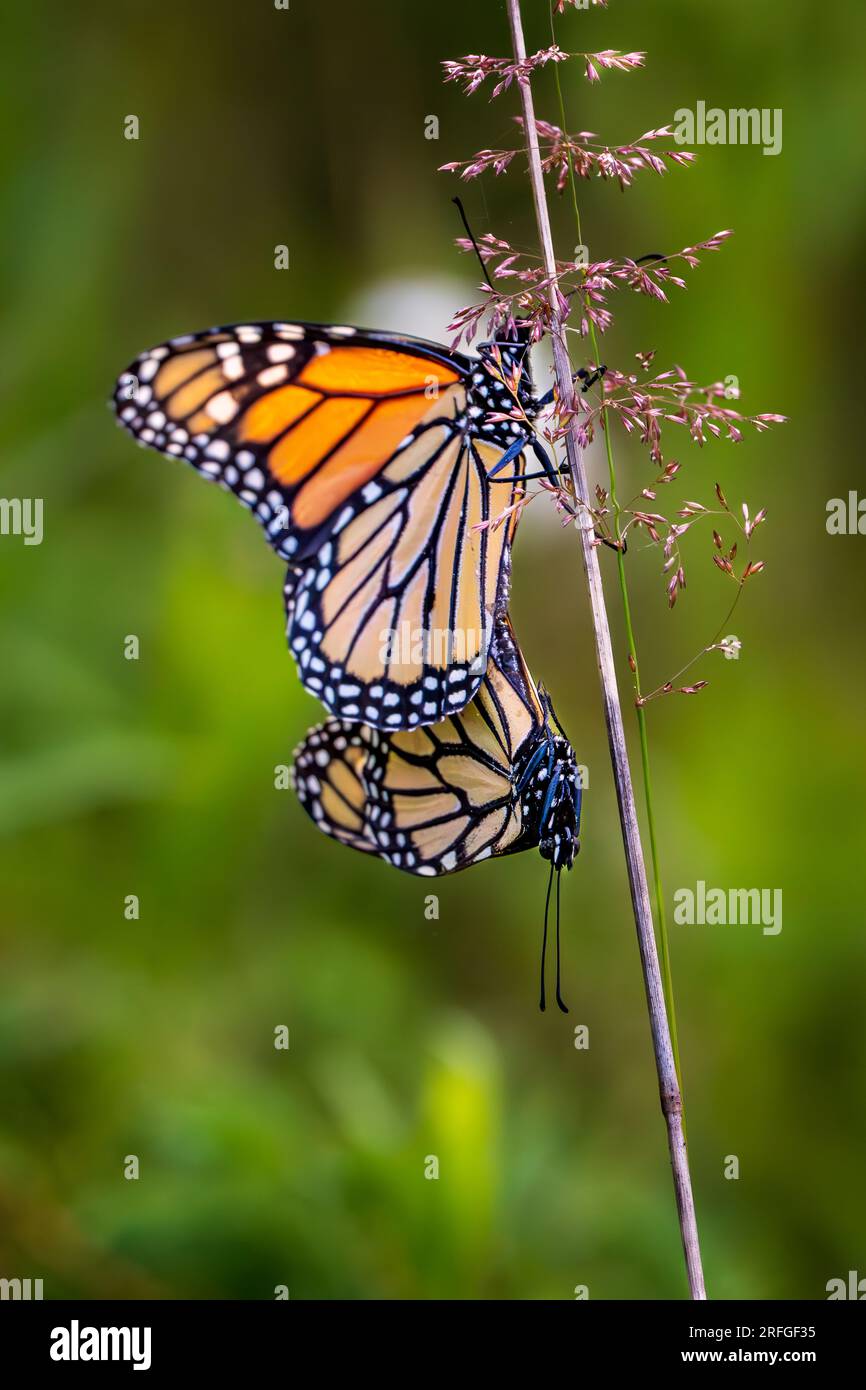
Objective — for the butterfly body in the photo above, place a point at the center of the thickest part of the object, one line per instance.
(367, 460)
(551, 798)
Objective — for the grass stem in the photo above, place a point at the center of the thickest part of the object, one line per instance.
(669, 1087)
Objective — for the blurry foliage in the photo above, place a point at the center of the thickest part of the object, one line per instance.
(408, 1037)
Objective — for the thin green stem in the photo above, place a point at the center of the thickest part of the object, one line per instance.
(661, 914)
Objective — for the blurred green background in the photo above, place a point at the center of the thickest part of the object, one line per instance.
(409, 1037)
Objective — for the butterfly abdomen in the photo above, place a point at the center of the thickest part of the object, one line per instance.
(550, 800)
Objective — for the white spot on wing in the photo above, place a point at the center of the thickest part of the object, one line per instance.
(222, 407)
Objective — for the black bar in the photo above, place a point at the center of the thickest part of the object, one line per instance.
(220, 1338)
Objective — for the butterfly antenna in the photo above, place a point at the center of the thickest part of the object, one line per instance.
(559, 999)
(542, 1003)
(460, 208)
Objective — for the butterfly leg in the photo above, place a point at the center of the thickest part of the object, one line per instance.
(547, 471)
(589, 379)
(621, 546)
(544, 459)
(510, 453)
(581, 374)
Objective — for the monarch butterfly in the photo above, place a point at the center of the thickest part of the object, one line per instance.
(496, 778)
(368, 459)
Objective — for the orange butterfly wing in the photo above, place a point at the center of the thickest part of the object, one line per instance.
(356, 454)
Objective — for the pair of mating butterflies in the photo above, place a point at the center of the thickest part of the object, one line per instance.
(373, 465)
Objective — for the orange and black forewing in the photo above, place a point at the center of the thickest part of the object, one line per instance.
(359, 456)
